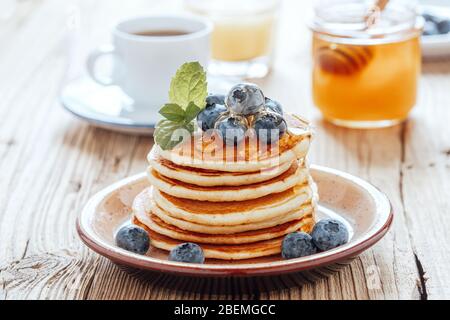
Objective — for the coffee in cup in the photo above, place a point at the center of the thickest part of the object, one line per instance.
(147, 52)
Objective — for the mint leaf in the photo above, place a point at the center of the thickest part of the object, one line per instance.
(168, 133)
(172, 112)
(189, 85)
(164, 134)
(191, 112)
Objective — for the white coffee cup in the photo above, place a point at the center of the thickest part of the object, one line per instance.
(144, 65)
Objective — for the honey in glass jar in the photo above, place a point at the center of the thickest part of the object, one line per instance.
(365, 74)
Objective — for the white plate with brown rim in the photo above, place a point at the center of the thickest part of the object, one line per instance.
(364, 209)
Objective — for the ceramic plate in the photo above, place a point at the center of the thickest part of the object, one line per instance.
(363, 208)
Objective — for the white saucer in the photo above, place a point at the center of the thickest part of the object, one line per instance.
(435, 46)
(110, 108)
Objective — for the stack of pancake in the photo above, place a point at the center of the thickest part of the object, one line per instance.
(235, 209)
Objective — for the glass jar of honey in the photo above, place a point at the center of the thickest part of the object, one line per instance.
(366, 61)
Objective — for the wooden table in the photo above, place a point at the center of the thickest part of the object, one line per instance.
(51, 163)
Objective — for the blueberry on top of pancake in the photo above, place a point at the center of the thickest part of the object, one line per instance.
(215, 107)
(245, 99)
(247, 108)
(232, 119)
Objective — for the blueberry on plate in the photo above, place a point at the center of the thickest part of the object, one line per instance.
(215, 107)
(443, 26)
(269, 127)
(133, 238)
(187, 252)
(274, 106)
(296, 245)
(328, 234)
(245, 99)
(232, 130)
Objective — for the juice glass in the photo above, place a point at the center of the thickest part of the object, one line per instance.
(365, 76)
(243, 35)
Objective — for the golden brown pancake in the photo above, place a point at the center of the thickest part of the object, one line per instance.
(231, 229)
(225, 207)
(225, 252)
(157, 225)
(294, 176)
(208, 178)
(211, 154)
(150, 217)
(231, 213)
(291, 171)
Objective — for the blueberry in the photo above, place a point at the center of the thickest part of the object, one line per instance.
(133, 238)
(215, 99)
(215, 106)
(430, 28)
(328, 234)
(187, 252)
(274, 106)
(430, 17)
(443, 26)
(245, 99)
(232, 130)
(269, 127)
(297, 244)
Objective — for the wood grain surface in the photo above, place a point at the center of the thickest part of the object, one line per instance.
(51, 163)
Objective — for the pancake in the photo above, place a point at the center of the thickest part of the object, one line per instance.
(209, 178)
(159, 226)
(154, 223)
(218, 229)
(235, 213)
(204, 151)
(293, 176)
(291, 148)
(225, 252)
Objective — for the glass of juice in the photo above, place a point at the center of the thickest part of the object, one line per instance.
(243, 36)
(366, 61)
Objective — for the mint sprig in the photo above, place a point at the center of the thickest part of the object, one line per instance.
(187, 96)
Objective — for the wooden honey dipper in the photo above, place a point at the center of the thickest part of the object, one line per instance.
(349, 59)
